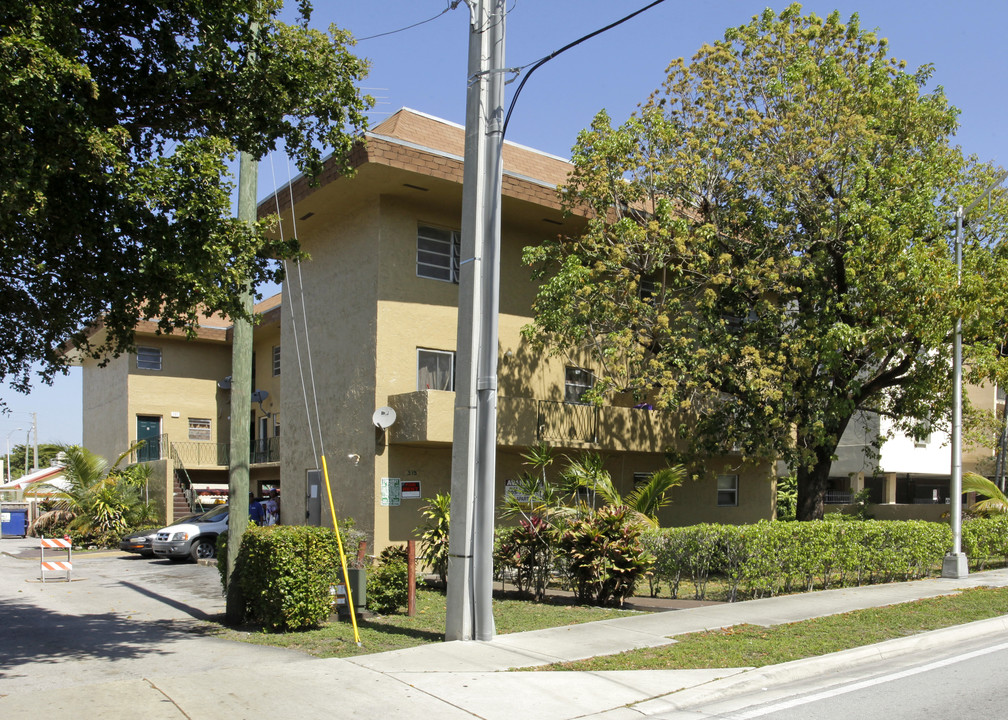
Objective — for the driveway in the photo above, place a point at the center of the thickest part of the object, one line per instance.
(121, 616)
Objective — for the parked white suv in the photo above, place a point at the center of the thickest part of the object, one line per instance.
(196, 538)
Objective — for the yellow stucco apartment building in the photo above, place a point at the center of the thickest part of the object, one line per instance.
(370, 322)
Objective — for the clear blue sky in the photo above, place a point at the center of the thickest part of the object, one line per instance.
(424, 68)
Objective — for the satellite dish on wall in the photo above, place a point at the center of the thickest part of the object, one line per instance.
(259, 395)
(224, 384)
(383, 417)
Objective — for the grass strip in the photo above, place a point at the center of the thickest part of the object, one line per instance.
(756, 646)
(380, 633)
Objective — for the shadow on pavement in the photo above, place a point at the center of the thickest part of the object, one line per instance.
(36, 635)
(187, 609)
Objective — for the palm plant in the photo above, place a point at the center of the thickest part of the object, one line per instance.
(587, 476)
(98, 503)
(996, 502)
(539, 457)
(434, 534)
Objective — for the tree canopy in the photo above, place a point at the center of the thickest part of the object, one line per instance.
(769, 247)
(117, 121)
(46, 453)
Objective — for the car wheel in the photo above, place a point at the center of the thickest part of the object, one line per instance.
(147, 554)
(204, 548)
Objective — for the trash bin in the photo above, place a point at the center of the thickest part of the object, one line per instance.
(13, 522)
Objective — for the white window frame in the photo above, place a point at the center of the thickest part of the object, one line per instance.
(148, 358)
(200, 429)
(437, 254)
(276, 360)
(445, 353)
(727, 490)
(574, 390)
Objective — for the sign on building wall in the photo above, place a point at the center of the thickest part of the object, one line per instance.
(391, 492)
(411, 489)
(514, 489)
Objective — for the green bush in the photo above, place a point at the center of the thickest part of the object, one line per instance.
(388, 582)
(985, 540)
(768, 558)
(286, 575)
(526, 551)
(605, 554)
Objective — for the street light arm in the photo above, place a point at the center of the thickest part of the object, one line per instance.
(565, 48)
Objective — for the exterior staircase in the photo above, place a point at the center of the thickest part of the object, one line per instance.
(180, 507)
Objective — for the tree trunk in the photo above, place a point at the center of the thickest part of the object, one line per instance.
(812, 484)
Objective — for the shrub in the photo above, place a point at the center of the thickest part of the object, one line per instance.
(668, 547)
(388, 582)
(605, 554)
(985, 540)
(767, 558)
(285, 575)
(527, 551)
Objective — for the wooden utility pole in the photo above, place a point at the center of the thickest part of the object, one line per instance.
(241, 400)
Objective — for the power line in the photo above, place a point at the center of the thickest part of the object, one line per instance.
(451, 6)
(568, 46)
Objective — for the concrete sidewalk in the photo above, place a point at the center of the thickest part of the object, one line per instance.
(468, 680)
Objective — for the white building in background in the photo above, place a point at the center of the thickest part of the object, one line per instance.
(902, 471)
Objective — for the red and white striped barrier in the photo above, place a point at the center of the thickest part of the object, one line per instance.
(63, 543)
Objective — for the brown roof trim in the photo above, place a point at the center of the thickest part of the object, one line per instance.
(430, 146)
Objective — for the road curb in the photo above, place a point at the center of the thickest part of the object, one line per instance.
(806, 668)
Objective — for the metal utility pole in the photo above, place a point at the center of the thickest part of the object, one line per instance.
(241, 398)
(34, 439)
(955, 564)
(469, 613)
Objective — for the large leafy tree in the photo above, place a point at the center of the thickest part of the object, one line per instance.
(768, 251)
(117, 121)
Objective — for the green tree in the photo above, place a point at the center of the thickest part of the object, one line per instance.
(767, 247)
(46, 453)
(117, 122)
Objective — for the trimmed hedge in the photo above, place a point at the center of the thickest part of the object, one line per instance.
(769, 558)
(985, 541)
(286, 573)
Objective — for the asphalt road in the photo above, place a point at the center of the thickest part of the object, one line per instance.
(965, 680)
(120, 616)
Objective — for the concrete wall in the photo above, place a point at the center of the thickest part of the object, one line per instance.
(104, 407)
(340, 300)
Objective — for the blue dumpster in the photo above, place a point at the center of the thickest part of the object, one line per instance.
(13, 522)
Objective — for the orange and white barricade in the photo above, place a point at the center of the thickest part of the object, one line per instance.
(62, 543)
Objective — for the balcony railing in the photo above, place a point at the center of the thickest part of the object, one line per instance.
(202, 454)
(562, 421)
(153, 448)
(208, 454)
(426, 416)
(265, 450)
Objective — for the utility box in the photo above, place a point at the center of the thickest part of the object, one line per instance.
(14, 519)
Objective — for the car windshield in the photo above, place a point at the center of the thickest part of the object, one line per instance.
(186, 519)
(215, 515)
